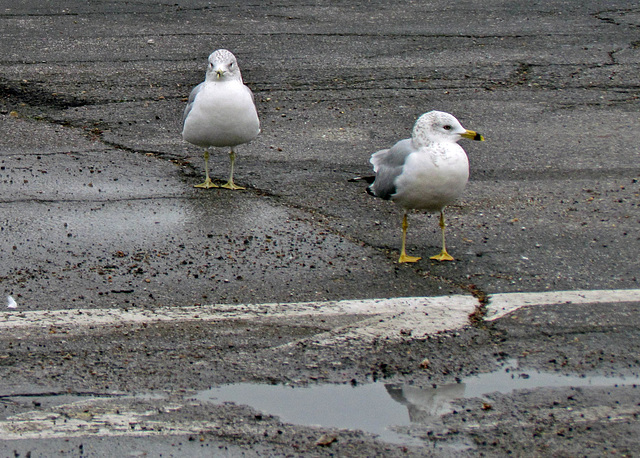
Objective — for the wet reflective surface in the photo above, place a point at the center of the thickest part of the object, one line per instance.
(366, 407)
(378, 407)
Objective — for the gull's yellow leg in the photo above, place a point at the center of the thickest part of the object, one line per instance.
(403, 254)
(207, 182)
(443, 256)
(230, 184)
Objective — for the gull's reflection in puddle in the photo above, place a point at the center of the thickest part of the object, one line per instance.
(423, 403)
(385, 409)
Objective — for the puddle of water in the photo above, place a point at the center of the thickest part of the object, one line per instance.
(378, 407)
(366, 407)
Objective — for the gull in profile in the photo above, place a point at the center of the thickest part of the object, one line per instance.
(220, 112)
(425, 172)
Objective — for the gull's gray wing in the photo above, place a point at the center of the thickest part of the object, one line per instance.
(388, 164)
(253, 99)
(192, 97)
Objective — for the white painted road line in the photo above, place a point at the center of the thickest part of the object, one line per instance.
(114, 316)
(388, 318)
(423, 315)
(502, 304)
(95, 417)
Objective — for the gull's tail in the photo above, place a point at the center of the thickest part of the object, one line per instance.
(368, 179)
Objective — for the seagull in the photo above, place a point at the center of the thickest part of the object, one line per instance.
(425, 172)
(220, 112)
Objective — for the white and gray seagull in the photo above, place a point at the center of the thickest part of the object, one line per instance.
(220, 112)
(425, 172)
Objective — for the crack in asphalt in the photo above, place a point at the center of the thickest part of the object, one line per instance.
(476, 318)
(600, 15)
(30, 94)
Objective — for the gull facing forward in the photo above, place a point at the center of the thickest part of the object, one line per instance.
(220, 112)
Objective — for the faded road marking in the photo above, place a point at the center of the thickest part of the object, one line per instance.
(502, 304)
(396, 318)
(421, 315)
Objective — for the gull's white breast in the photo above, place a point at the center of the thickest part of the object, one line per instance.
(223, 114)
(432, 178)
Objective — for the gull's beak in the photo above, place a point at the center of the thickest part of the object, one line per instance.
(472, 135)
(219, 73)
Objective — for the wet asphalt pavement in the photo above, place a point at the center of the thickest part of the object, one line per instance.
(97, 211)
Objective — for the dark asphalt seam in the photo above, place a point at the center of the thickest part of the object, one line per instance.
(600, 15)
(175, 158)
(29, 92)
(56, 153)
(5, 397)
(110, 200)
(374, 35)
(96, 134)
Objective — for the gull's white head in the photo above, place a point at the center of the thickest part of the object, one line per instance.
(223, 66)
(438, 126)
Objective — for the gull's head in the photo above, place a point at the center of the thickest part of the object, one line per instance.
(223, 66)
(438, 126)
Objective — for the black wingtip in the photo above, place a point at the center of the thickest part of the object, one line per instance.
(367, 179)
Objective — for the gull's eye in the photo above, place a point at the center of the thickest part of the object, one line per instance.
(446, 127)
(230, 64)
